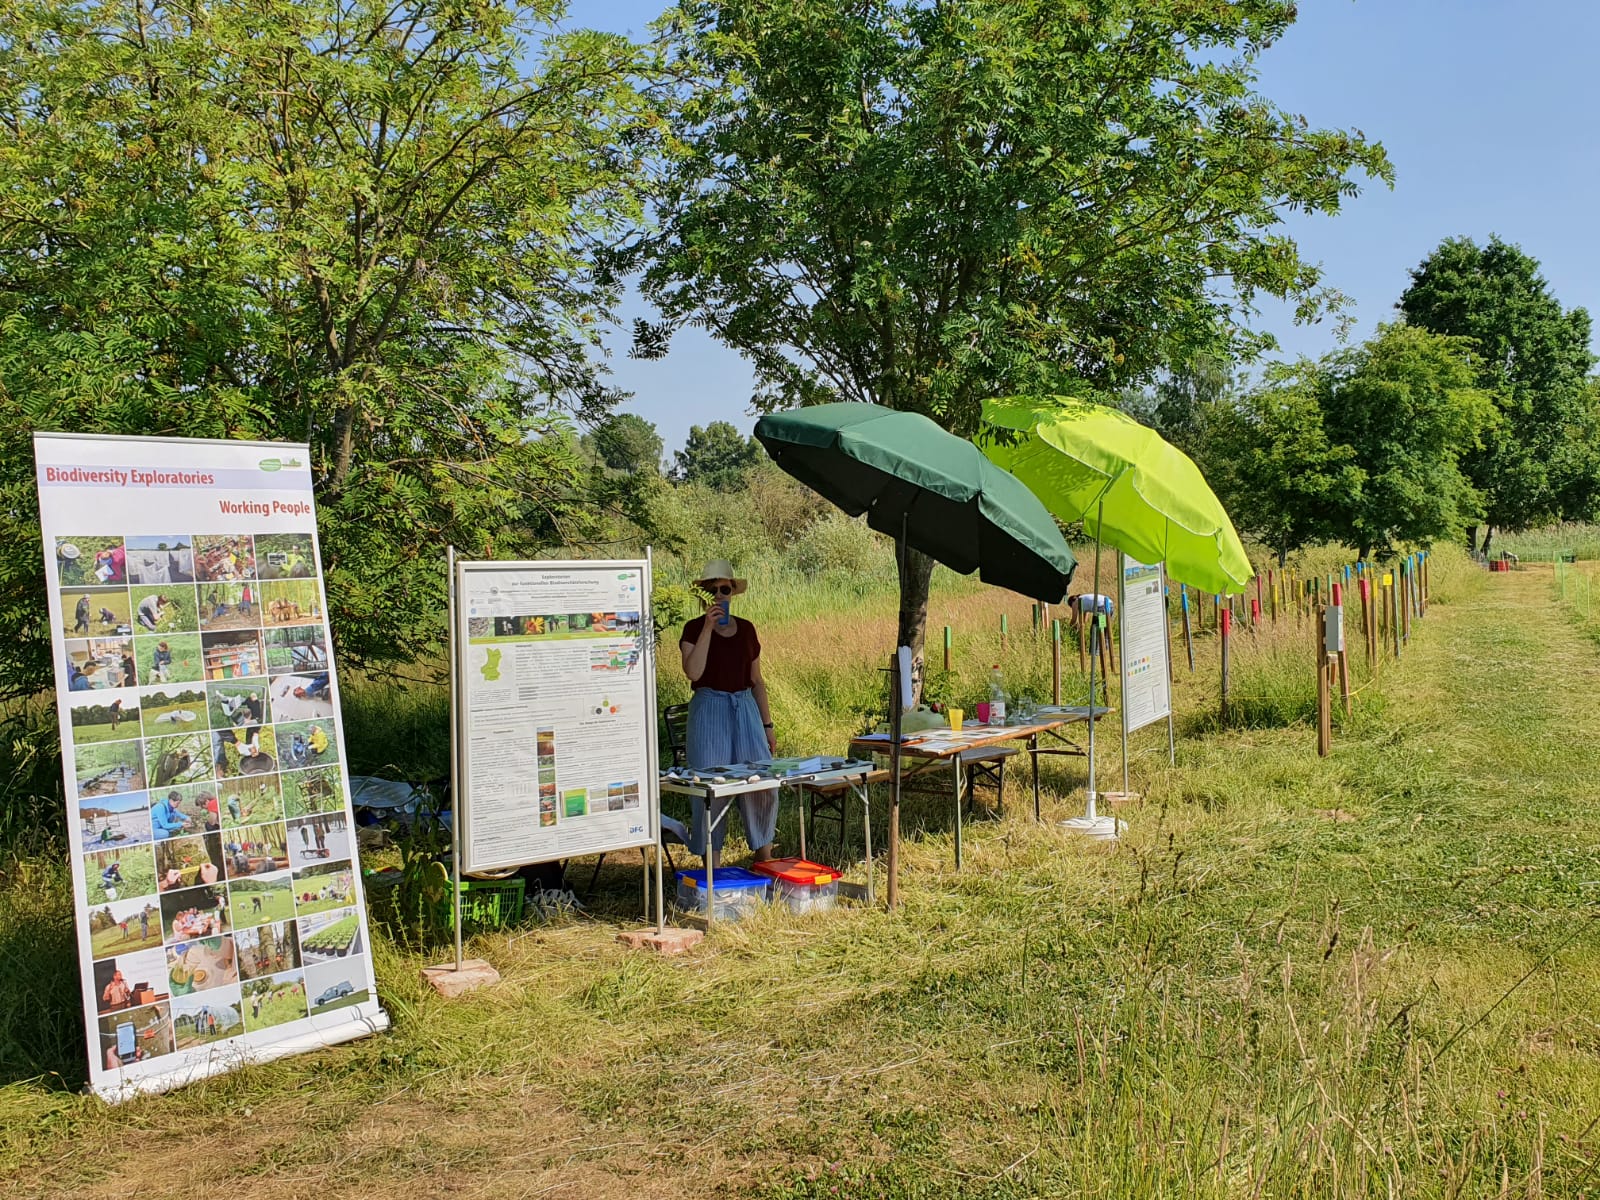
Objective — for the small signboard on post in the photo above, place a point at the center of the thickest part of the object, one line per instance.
(1146, 672)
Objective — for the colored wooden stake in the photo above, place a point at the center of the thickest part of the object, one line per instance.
(947, 649)
(1055, 662)
(1188, 633)
(1343, 655)
(1004, 630)
(1366, 620)
(1226, 623)
(1272, 597)
(1083, 642)
(1036, 618)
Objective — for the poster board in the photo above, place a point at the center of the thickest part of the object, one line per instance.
(1146, 678)
(556, 713)
(218, 896)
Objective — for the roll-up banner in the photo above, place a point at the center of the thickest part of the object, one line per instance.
(219, 904)
(555, 670)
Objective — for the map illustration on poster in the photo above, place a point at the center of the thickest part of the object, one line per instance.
(557, 715)
(218, 898)
(1146, 679)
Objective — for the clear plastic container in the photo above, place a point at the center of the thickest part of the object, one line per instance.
(801, 886)
(739, 892)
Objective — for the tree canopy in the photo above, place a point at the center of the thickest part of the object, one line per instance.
(717, 456)
(371, 227)
(1540, 461)
(923, 205)
(628, 442)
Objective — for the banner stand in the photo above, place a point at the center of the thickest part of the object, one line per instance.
(1142, 639)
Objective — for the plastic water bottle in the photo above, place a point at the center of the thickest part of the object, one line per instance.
(997, 696)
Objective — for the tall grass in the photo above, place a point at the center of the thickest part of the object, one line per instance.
(1545, 545)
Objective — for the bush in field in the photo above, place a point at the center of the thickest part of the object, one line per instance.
(838, 543)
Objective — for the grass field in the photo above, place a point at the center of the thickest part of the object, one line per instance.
(187, 665)
(167, 701)
(91, 722)
(180, 614)
(1374, 974)
(137, 865)
(283, 999)
(102, 600)
(276, 896)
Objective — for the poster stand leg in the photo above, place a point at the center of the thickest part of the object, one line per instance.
(463, 974)
(1091, 824)
(455, 765)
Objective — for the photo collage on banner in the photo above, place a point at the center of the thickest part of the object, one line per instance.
(215, 842)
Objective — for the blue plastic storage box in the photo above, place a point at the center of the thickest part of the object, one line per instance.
(739, 892)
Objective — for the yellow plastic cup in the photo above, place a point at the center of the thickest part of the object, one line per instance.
(955, 715)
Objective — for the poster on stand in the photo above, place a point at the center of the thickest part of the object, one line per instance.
(1146, 680)
(556, 710)
(219, 904)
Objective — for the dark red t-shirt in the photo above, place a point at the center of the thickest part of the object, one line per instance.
(728, 659)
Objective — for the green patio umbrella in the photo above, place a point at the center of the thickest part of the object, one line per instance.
(1130, 487)
(1132, 490)
(929, 490)
(926, 488)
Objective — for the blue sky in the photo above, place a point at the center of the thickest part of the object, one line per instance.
(1488, 112)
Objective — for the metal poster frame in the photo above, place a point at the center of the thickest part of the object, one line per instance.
(643, 727)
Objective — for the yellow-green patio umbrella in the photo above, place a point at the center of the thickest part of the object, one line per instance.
(1129, 486)
(1132, 490)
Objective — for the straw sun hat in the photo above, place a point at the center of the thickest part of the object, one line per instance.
(720, 568)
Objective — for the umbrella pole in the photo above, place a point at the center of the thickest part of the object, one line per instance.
(892, 858)
(1091, 824)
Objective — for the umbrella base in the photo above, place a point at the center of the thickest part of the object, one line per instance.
(1101, 829)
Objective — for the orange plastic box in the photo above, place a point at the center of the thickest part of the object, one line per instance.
(801, 885)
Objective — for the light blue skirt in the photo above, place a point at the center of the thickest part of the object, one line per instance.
(725, 728)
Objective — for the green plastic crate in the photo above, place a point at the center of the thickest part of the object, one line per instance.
(485, 904)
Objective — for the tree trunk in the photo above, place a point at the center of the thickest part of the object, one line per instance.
(916, 572)
(1472, 539)
(1488, 536)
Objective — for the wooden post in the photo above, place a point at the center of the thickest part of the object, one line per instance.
(1405, 601)
(1272, 596)
(1004, 630)
(1083, 644)
(1343, 654)
(1395, 630)
(1225, 641)
(1188, 632)
(1166, 621)
(1324, 699)
(1367, 643)
(1036, 619)
(1055, 662)
(947, 649)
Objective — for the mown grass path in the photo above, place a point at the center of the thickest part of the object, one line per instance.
(1372, 975)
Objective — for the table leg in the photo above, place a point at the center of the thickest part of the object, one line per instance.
(956, 762)
(1033, 753)
(866, 830)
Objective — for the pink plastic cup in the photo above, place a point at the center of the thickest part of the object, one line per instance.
(983, 712)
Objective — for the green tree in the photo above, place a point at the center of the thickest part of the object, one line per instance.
(1268, 456)
(923, 205)
(371, 227)
(1538, 462)
(717, 456)
(628, 442)
(1406, 405)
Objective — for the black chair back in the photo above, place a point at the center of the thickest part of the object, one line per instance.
(676, 719)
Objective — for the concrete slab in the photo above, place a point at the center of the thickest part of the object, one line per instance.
(450, 983)
(668, 941)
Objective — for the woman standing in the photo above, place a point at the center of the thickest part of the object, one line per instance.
(729, 718)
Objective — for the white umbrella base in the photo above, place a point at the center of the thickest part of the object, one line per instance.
(1101, 829)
